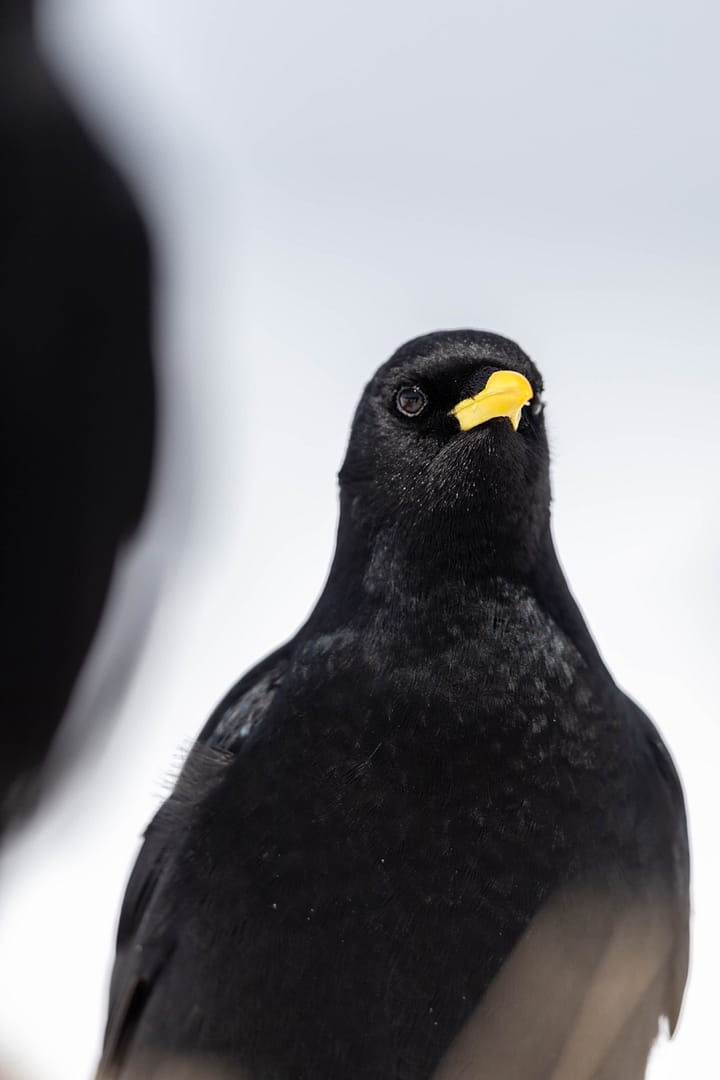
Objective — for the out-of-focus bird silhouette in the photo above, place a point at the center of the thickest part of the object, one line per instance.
(429, 836)
(77, 397)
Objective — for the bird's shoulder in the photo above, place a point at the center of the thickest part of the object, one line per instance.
(220, 740)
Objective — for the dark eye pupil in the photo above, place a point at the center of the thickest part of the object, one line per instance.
(536, 406)
(410, 400)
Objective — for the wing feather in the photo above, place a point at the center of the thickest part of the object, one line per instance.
(145, 940)
(584, 987)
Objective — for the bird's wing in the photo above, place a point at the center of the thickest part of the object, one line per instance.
(145, 937)
(581, 995)
(678, 856)
(579, 998)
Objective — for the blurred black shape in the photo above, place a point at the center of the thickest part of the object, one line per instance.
(77, 398)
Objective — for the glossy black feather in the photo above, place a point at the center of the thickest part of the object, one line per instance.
(416, 800)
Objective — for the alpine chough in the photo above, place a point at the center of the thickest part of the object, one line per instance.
(429, 836)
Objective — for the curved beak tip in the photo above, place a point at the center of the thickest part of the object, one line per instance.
(506, 393)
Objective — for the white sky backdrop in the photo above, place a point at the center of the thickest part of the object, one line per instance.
(325, 180)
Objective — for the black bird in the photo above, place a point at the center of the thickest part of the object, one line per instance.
(429, 836)
(77, 401)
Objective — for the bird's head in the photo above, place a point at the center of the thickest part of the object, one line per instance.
(448, 452)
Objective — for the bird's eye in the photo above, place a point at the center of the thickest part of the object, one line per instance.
(410, 400)
(537, 406)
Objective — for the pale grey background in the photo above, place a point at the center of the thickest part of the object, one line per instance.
(325, 180)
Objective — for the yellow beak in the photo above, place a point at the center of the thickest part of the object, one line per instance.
(506, 394)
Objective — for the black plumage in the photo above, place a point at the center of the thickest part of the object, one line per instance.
(77, 401)
(429, 836)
